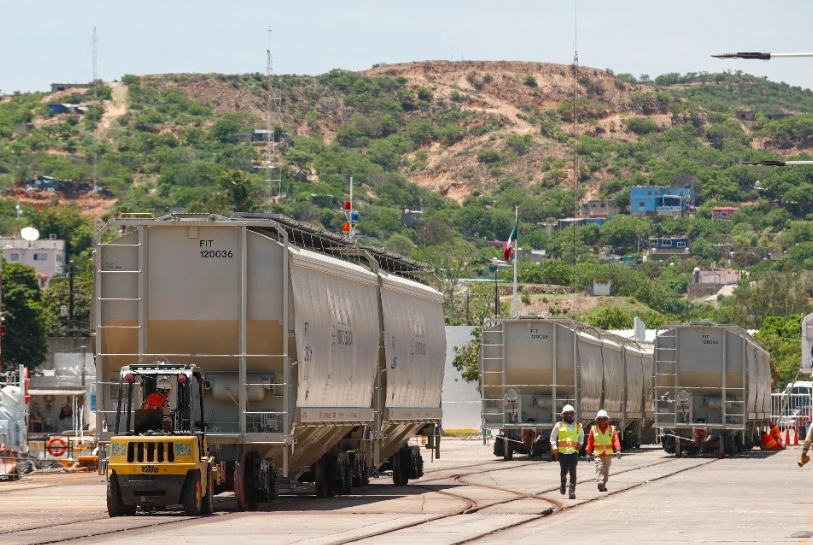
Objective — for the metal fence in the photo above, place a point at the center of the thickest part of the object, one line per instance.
(791, 411)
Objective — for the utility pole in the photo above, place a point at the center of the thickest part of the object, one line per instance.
(575, 157)
(272, 106)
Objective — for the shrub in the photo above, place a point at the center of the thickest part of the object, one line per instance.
(641, 125)
(489, 155)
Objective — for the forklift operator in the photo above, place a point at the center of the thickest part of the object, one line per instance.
(160, 400)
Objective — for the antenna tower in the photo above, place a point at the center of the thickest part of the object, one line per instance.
(575, 159)
(273, 113)
(96, 102)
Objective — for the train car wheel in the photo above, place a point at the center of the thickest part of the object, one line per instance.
(243, 481)
(322, 481)
(498, 446)
(399, 462)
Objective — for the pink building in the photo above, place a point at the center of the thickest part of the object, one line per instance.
(47, 256)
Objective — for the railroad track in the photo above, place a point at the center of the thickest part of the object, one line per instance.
(549, 505)
(105, 517)
(554, 507)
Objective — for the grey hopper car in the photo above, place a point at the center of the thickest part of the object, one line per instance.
(321, 360)
(531, 367)
(712, 388)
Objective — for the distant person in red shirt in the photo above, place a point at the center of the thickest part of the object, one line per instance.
(601, 443)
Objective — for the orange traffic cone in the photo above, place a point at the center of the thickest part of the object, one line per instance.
(787, 436)
(796, 437)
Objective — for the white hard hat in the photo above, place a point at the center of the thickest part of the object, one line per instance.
(568, 409)
(602, 414)
(164, 383)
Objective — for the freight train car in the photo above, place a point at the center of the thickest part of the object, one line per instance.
(320, 359)
(531, 367)
(712, 388)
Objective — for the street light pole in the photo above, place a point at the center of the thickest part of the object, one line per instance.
(468, 292)
(760, 56)
(496, 293)
(70, 299)
(84, 351)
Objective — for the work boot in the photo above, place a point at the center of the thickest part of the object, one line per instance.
(572, 494)
(562, 488)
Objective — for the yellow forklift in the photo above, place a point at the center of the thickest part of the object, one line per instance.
(158, 454)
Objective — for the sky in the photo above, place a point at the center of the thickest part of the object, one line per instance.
(50, 41)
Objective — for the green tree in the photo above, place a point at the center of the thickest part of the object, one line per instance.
(610, 318)
(58, 295)
(25, 322)
(467, 357)
(781, 336)
(775, 294)
(400, 244)
(237, 193)
(624, 233)
(449, 262)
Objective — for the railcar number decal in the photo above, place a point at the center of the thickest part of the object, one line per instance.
(214, 254)
(537, 336)
(706, 340)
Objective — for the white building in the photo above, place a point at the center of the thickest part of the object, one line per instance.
(460, 400)
(47, 256)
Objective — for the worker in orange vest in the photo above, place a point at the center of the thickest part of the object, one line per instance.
(601, 442)
(772, 440)
(159, 400)
(777, 436)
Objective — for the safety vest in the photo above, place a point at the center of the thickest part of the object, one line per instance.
(777, 435)
(568, 440)
(153, 401)
(603, 442)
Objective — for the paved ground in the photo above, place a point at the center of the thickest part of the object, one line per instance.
(468, 496)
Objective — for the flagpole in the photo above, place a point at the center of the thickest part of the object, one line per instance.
(516, 248)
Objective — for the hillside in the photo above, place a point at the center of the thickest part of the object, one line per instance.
(465, 141)
(456, 128)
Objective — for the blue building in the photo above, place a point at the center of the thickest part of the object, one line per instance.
(662, 248)
(660, 201)
(680, 242)
(55, 109)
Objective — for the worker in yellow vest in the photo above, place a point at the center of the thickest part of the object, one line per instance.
(601, 443)
(566, 439)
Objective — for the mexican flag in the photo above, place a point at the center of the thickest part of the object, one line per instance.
(511, 244)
